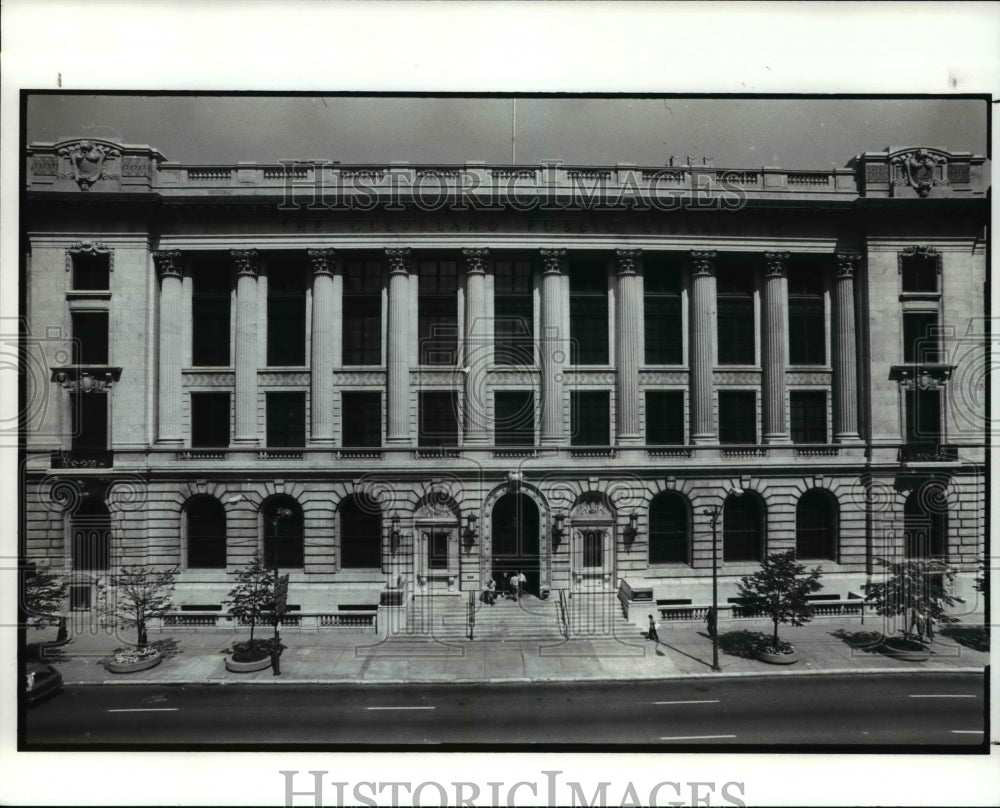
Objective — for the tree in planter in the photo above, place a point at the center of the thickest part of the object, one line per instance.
(914, 590)
(136, 595)
(44, 596)
(779, 589)
(251, 602)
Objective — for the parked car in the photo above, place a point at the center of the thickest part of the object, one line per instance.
(41, 681)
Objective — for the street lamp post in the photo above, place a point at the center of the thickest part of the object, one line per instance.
(715, 512)
(279, 514)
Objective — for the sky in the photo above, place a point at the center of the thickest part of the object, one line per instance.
(792, 133)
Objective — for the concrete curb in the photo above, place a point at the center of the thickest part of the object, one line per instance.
(284, 680)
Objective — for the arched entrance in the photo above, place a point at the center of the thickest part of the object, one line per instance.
(515, 532)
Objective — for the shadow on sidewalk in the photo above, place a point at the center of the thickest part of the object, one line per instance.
(975, 637)
(869, 642)
(740, 643)
(168, 647)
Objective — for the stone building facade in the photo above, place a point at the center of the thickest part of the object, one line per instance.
(405, 379)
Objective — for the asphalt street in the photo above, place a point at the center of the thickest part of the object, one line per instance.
(937, 709)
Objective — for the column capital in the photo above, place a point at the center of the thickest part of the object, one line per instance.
(400, 260)
(475, 260)
(246, 262)
(324, 262)
(847, 263)
(553, 261)
(776, 263)
(702, 262)
(628, 261)
(168, 263)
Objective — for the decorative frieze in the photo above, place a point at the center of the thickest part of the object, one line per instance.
(45, 166)
(209, 379)
(282, 378)
(927, 253)
(819, 378)
(372, 378)
(730, 377)
(135, 167)
(89, 248)
(653, 377)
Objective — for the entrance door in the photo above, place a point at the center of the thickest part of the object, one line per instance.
(515, 539)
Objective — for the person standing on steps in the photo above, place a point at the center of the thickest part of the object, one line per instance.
(652, 634)
(521, 581)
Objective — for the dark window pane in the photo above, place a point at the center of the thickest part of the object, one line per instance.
(362, 418)
(91, 536)
(362, 321)
(79, 597)
(286, 419)
(211, 307)
(438, 277)
(806, 325)
(90, 421)
(513, 330)
(437, 548)
(921, 341)
(438, 330)
(737, 416)
(808, 416)
(816, 526)
(665, 418)
(923, 416)
(283, 533)
(663, 327)
(925, 522)
(513, 277)
(588, 313)
(438, 419)
(286, 313)
(206, 534)
(90, 338)
(91, 271)
(593, 548)
(920, 273)
(362, 276)
(736, 331)
(360, 534)
(514, 418)
(668, 530)
(743, 530)
(590, 416)
(209, 420)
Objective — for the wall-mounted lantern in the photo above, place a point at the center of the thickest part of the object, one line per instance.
(394, 534)
(632, 530)
(471, 534)
(557, 529)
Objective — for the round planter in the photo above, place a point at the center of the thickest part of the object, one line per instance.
(134, 667)
(248, 667)
(905, 654)
(776, 659)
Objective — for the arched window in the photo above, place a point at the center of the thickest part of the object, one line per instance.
(91, 536)
(925, 520)
(743, 528)
(816, 525)
(206, 533)
(360, 533)
(283, 539)
(669, 530)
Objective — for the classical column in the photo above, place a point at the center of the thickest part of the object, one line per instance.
(775, 328)
(246, 265)
(845, 363)
(478, 346)
(398, 349)
(170, 268)
(324, 340)
(628, 316)
(554, 347)
(702, 351)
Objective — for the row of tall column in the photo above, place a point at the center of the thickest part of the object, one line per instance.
(553, 346)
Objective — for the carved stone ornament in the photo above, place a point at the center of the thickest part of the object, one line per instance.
(514, 480)
(78, 379)
(927, 253)
(435, 511)
(776, 262)
(87, 161)
(246, 262)
(553, 261)
(168, 263)
(628, 261)
(90, 248)
(847, 263)
(702, 262)
(920, 167)
(399, 260)
(591, 510)
(324, 262)
(475, 260)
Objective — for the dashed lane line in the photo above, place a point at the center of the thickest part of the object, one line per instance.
(695, 737)
(699, 701)
(145, 710)
(401, 708)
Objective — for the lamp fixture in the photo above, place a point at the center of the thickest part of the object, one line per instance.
(557, 529)
(394, 534)
(470, 531)
(632, 530)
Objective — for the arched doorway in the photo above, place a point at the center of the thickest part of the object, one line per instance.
(515, 535)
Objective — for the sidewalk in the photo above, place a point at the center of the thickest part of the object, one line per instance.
(350, 656)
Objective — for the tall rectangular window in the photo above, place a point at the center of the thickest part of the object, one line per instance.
(362, 321)
(920, 271)
(923, 416)
(211, 309)
(735, 322)
(737, 416)
(362, 418)
(921, 341)
(437, 550)
(514, 418)
(438, 418)
(286, 419)
(513, 312)
(90, 337)
(662, 313)
(664, 418)
(438, 311)
(808, 416)
(806, 316)
(588, 312)
(89, 421)
(286, 312)
(91, 271)
(209, 420)
(593, 548)
(590, 418)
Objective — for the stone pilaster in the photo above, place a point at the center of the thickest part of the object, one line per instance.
(628, 316)
(554, 347)
(702, 349)
(478, 354)
(398, 348)
(845, 363)
(246, 266)
(324, 340)
(775, 337)
(169, 267)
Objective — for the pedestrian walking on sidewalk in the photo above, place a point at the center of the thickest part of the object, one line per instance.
(652, 633)
(712, 622)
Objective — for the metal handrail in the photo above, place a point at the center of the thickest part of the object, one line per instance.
(563, 614)
(472, 615)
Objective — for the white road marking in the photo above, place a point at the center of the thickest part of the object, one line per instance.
(942, 696)
(703, 701)
(146, 710)
(695, 737)
(401, 708)
(968, 731)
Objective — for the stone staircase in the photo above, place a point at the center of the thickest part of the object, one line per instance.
(527, 619)
(598, 614)
(443, 617)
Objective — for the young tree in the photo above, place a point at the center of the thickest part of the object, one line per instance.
(252, 599)
(914, 590)
(43, 597)
(779, 590)
(136, 595)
